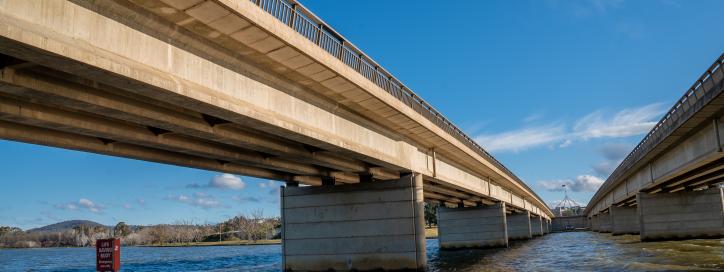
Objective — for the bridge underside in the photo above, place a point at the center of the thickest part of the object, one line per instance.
(111, 89)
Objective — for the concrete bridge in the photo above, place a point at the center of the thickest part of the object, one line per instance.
(264, 89)
(669, 186)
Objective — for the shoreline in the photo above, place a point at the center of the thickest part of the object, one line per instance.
(221, 243)
(430, 233)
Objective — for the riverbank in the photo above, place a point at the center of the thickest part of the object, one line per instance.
(219, 243)
(431, 233)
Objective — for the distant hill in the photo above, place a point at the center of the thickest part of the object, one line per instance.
(65, 225)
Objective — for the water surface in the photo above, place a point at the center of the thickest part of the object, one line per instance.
(572, 251)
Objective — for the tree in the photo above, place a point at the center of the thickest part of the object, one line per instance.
(8, 229)
(431, 214)
(121, 229)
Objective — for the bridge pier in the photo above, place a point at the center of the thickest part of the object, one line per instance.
(546, 226)
(479, 227)
(594, 223)
(519, 226)
(604, 222)
(536, 225)
(362, 226)
(681, 215)
(624, 220)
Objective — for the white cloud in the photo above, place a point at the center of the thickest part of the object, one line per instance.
(565, 143)
(268, 184)
(582, 183)
(223, 181)
(82, 203)
(227, 181)
(201, 200)
(625, 123)
(523, 139)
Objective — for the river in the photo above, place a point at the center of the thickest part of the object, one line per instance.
(571, 251)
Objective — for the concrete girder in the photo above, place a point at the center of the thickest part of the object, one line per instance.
(78, 123)
(85, 98)
(47, 137)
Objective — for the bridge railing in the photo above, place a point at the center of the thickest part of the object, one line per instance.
(315, 30)
(706, 88)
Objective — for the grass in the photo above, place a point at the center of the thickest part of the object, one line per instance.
(221, 243)
(431, 232)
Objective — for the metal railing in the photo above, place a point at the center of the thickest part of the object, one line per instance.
(315, 30)
(705, 89)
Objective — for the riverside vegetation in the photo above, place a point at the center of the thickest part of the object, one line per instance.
(240, 230)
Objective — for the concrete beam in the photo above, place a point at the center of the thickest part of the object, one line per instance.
(472, 227)
(72, 122)
(681, 215)
(341, 227)
(47, 137)
(42, 86)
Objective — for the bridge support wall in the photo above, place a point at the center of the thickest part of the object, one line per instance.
(536, 225)
(681, 215)
(519, 226)
(594, 223)
(472, 227)
(624, 220)
(363, 226)
(604, 222)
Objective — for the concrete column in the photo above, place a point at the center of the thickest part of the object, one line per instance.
(594, 223)
(680, 215)
(546, 226)
(624, 220)
(604, 222)
(481, 227)
(536, 225)
(363, 226)
(519, 226)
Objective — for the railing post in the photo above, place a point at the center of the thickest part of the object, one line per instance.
(359, 64)
(293, 16)
(319, 34)
(341, 50)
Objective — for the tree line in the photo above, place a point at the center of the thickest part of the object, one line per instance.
(254, 227)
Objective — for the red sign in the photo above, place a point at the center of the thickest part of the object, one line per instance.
(108, 255)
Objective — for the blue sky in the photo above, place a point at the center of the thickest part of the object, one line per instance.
(559, 91)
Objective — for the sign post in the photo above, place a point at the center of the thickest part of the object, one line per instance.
(108, 255)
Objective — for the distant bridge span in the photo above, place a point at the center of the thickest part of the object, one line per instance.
(264, 89)
(668, 186)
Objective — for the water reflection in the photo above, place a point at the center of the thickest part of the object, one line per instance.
(572, 251)
(584, 251)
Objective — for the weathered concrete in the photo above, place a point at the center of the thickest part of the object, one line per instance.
(572, 222)
(624, 220)
(681, 215)
(482, 226)
(594, 223)
(536, 225)
(364, 226)
(604, 222)
(519, 226)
